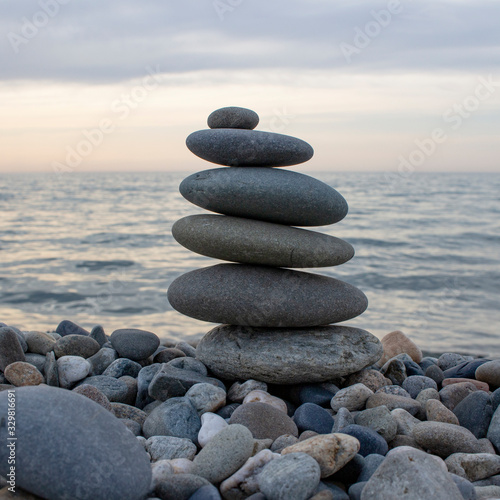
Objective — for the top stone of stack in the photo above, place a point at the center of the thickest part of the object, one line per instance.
(231, 141)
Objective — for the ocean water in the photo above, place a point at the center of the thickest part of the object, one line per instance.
(97, 249)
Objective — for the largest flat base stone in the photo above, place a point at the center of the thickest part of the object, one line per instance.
(240, 294)
(287, 356)
(269, 194)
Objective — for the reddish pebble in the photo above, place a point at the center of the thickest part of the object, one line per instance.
(482, 386)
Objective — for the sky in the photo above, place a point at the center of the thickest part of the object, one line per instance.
(394, 86)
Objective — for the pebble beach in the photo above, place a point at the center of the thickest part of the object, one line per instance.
(281, 400)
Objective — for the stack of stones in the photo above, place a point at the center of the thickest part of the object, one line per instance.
(276, 322)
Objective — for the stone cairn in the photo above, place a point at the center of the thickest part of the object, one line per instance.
(276, 322)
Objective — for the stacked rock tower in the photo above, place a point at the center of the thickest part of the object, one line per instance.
(276, 322)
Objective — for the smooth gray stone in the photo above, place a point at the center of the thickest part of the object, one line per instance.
(268, 194)
(50, 369)
(115, 390)
(290, 477)
(173, 382)
(121, 367)
(175, 417)
(252, 148)
(76, 345)
(188, 363)
(186, 348)
(494, 430)
(241, 294)
(98, 335)
(37, 360)
(287, 356)
(144, 378)
(67, 327)
(10, 347)
(410, 474)
(101, 360)
(134, 344)
(64, 439)
(258, 242)
(180, 487)
(233, 117)
(474, 413)
(170, 447)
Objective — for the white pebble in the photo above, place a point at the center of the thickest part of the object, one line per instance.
(211, 424)
(71, 369)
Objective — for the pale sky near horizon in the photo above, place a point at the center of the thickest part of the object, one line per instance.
(371, 85)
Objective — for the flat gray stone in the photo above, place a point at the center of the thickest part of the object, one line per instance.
(410, 474)
(134, 344)
(101, 360)
(224, 454)
(241, 294)
(233, 117)
(64, 439)
(294, 476)
(76, 345)
(287, 356)
(252, 148)
(256, 242)
(115, 390)
(268, 194)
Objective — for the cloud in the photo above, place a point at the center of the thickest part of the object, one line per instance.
(99, 42)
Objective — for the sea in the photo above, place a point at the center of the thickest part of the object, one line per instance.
(96, 248)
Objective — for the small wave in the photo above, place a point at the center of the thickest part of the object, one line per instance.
(40, 297)
(131, 310)
(375, 243)
(97, 265)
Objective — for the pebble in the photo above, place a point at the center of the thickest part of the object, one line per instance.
(413, 368)
(466, 369)
(39, 342)
(410, 474)
(206, 397)
(392, 402)
(188, 363)
(380, 420)
(426, 395)
(58, 419)
(37, 360)
(207, 492)
(487, 492)
(466, 487)
(67, 327)
(343, 418)
(239, 390)
(252, 148)
(265, 194)
(290, 477)
(282, 442)
(264, 421)
(475, 412)
(121, 367)
(494, 430)
(211, 424)
(395, 371)
(180, 486)
(256, 242)
(435, 373)
(134, 344)
(233, 117)
(76, 345)
(170, 382)
(396, 390)
(228, 410)
(372, 379)
(473, 466)
(10, 348)
(168, 354)
(300, 356)
(224, 454)
(397, 342)
(170, 447)
(50, 370)
(370, 465)
(452, 394)
(437, 412)
(146, 374)
(115, 390)
(444, 439)
(186, 348)
(215, 294)
(243, 482)
(495, 399)
(97, 333)
(414, 384)
(370, 441)
(481, 386)
(403, 440)
(353, 397)
(93, 393)
(331, 451)
(129, 412)
(101, 360)
(350, 472)
(489, 372)
(175, 417)
(258, 396)
(21, 373)
(161, 470)
(449, 360)
(71, 369)
(311, 417)
(313, 393)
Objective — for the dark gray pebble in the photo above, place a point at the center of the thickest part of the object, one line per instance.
(370, 465)
(144, 378)
(115, 390)
(474, 412)
(180, 486)
(188, 363)
(355, 490)
(311, 417)
(167, 354)
(467, 369)
(350, 472)
(10, 347)
(228, 410)
(416, 383)
(97, 333)
(233, 117)
(134, 344)
(435, 373)
(36, 360)
(67, 327)
(123, 366)
(466, 487)
(413, 368)
(50, 370)
(370, 441)
(101, 360)
(207, 492)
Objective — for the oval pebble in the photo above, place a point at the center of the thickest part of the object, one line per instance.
(233, 117)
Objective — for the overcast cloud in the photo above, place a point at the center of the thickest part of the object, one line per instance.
(108, 41)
